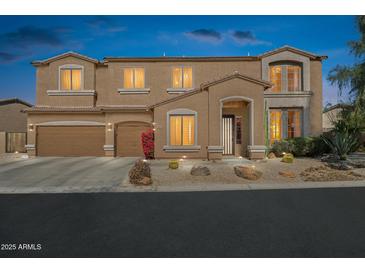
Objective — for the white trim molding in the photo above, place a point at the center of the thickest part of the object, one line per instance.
(250, 102)
(216, 149)
(127, 91)
(287, 94)
(257, 148)
(178, 90)
(181, 148)
(108, 147)
(71, 123)
(30, 146)
(71, 92)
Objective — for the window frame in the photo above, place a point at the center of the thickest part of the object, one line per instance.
(182, 67)
(71, 67)
(284, 75)
(182, 112)
(284, 121)
(134, 78)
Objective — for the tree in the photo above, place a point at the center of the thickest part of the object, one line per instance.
(353, 77)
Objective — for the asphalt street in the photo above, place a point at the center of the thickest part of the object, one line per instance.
(264, 223)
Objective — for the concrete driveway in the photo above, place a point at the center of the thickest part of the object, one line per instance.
(59, 174)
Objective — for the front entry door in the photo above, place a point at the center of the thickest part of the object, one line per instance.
(228, 134)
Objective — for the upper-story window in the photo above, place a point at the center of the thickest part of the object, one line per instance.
(134, 78)
(71, 78)
(182, 77)
(286, 77)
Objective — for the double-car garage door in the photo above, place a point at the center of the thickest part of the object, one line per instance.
(70, 140)
(89, 140)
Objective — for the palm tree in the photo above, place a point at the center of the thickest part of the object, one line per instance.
(353, 77)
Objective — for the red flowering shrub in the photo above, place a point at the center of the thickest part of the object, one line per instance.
(148, 143)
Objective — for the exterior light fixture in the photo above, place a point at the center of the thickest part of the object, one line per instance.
(154, 129)
(31, 127)
(153, 123)
(184, 157)
(110, 126)
(240, 157)
(144, 160)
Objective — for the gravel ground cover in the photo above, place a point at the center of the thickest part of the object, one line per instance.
(222, 172)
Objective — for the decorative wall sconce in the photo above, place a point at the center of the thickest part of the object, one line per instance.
(110, 126)
(31, 127)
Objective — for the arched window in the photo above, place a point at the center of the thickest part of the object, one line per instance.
(286, 77)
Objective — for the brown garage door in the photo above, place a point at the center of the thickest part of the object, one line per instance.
(70, 141)
(128, 139)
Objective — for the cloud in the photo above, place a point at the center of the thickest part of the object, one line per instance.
(103, 23)
(206, 35)
(6, 57)
(247, 38)
(27, 36)
(28, 40)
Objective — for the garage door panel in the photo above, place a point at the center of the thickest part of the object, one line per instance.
(70, 141)
(128, 140)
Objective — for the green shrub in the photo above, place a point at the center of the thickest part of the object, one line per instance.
(342, 143)
(318, 147)
(279, 147)
(301, 146)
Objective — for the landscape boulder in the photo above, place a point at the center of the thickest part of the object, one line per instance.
(271, 155)
(200, 171)
(247, 172)
(287, 174)
(140, 173)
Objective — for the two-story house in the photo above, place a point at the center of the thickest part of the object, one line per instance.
(198, 107)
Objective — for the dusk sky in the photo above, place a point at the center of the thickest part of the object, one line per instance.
(27, 38)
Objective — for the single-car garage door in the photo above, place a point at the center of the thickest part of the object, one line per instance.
(70, 140)
(128, 139)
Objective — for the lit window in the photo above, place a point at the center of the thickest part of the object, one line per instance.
(134, 78)
(294, 124)
(294, 75)
(70, 79)
(275, 125)
(275, 78)
(182, 77)
(285, 123)
(182, 130)
(286, 77)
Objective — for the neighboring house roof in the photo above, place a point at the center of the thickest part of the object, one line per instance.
(63, 55)
(178, 58)
(339, 105)
(294, 50)
(208, 84)
(14, 101)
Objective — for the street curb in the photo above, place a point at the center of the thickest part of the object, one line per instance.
(189, 188)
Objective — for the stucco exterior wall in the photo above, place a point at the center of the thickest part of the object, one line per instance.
(48, 79)
(158, 78)
(234, 88)
(198, 103)
(316, 104)
(12, 119)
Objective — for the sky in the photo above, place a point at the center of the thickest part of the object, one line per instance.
(27, 38)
